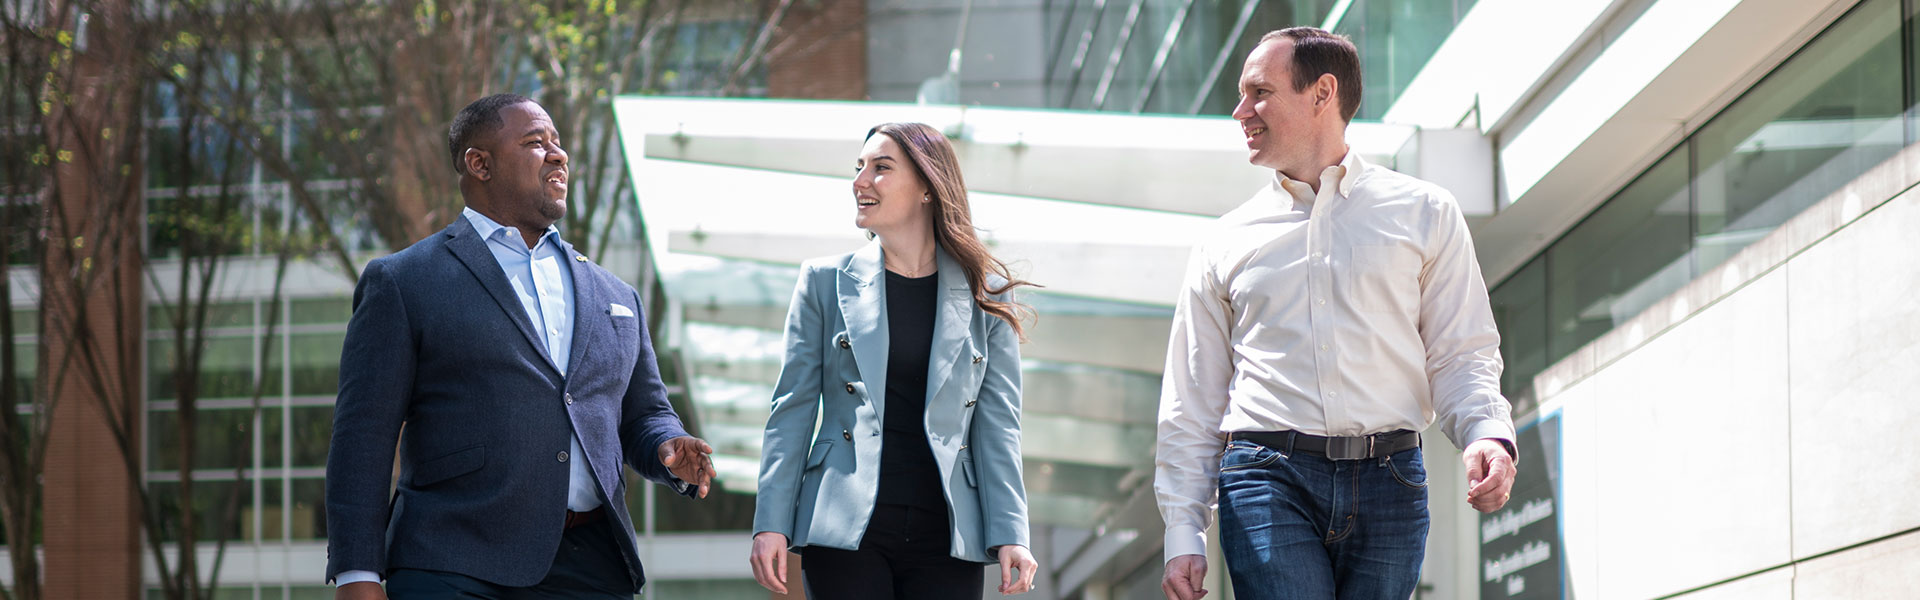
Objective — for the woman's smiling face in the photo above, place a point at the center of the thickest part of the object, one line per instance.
(888, 191)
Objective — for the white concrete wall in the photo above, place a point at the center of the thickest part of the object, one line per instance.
(1756, 434)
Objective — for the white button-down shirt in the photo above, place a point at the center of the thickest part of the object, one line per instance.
(1355, 310)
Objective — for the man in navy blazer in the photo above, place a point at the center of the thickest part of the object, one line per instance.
(516, 376)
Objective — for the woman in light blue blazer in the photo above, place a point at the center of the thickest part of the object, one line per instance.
(906, 353)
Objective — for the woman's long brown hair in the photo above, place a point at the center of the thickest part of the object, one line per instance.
(933, 155)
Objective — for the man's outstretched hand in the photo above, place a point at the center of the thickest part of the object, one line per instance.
(690, 459)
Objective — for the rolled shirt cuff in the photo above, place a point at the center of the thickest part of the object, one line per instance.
(1185, 539)
(346, 577)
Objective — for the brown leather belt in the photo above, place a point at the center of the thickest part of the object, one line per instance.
(576, 519)
(1335, 448)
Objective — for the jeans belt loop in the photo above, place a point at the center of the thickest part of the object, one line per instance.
(1291, 436)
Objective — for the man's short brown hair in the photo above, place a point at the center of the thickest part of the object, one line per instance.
(1318, 52)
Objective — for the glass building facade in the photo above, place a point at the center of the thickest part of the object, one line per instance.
(1837, 107)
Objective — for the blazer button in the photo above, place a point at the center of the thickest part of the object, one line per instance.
(569, 397)
(846, 435)
(562, 456)
(977, 359)
(844, 344)
(850, 387)
(973, 402)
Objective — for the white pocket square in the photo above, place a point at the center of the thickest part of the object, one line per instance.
(619, 310)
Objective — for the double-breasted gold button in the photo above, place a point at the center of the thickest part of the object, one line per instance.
(845, 344)
(849, 387)
(977, 359)
(846, 435)
(973, 402)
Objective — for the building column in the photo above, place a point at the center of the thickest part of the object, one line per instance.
(91, 319)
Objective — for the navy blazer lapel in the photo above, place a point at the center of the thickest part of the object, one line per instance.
(950, 326)
(591, 312)
(465, 243)
(863, 303)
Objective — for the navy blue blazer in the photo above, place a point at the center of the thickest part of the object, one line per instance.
(439, 344)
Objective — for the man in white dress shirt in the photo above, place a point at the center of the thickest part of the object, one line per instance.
(1321, 326)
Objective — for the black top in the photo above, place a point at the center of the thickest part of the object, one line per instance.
(908, 474)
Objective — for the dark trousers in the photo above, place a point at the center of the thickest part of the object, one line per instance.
(1296, 526)
(588, 565)
(904, 555)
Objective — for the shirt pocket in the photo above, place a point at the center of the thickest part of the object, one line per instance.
(1384, 279)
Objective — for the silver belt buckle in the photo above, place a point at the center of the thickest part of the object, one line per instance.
(1349, 448)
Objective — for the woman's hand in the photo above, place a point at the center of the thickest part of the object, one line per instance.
(769, 561)
(1014, 557)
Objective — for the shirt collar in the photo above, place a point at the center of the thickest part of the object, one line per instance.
(1346, 172)
(487, 227)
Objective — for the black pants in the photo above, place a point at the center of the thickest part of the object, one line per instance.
(903, 555)
(588, 565)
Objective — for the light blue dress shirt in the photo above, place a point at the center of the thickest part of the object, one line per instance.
(544, 285)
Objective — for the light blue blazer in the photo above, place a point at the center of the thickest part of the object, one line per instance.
(818, 484)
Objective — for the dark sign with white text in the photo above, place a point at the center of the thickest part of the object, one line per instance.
(1520, 547)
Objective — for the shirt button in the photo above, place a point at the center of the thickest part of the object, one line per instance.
(1323, 300)
(1323, 346)
(849, 388)
(562, 456)
(1316, 255)
(1333, 394)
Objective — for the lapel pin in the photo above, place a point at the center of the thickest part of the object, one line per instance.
(580, 257)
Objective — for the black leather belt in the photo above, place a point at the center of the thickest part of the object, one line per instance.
(1335, 448)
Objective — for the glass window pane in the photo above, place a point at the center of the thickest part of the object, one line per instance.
(1629, 253)
(271, 432)
(312, 430)
(221, 439)
(26, 322)
(1396, 39)
(26, 362)
(216, 505)
(309, 509)
(1149, 29)
(316, 363)
(1828, 114)
(1520, 313)
(1913, 73)
(270, 525)
(226, 369)
(1107, 32)
(20, 239)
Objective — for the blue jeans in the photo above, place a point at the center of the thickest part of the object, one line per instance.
(1300, 526)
